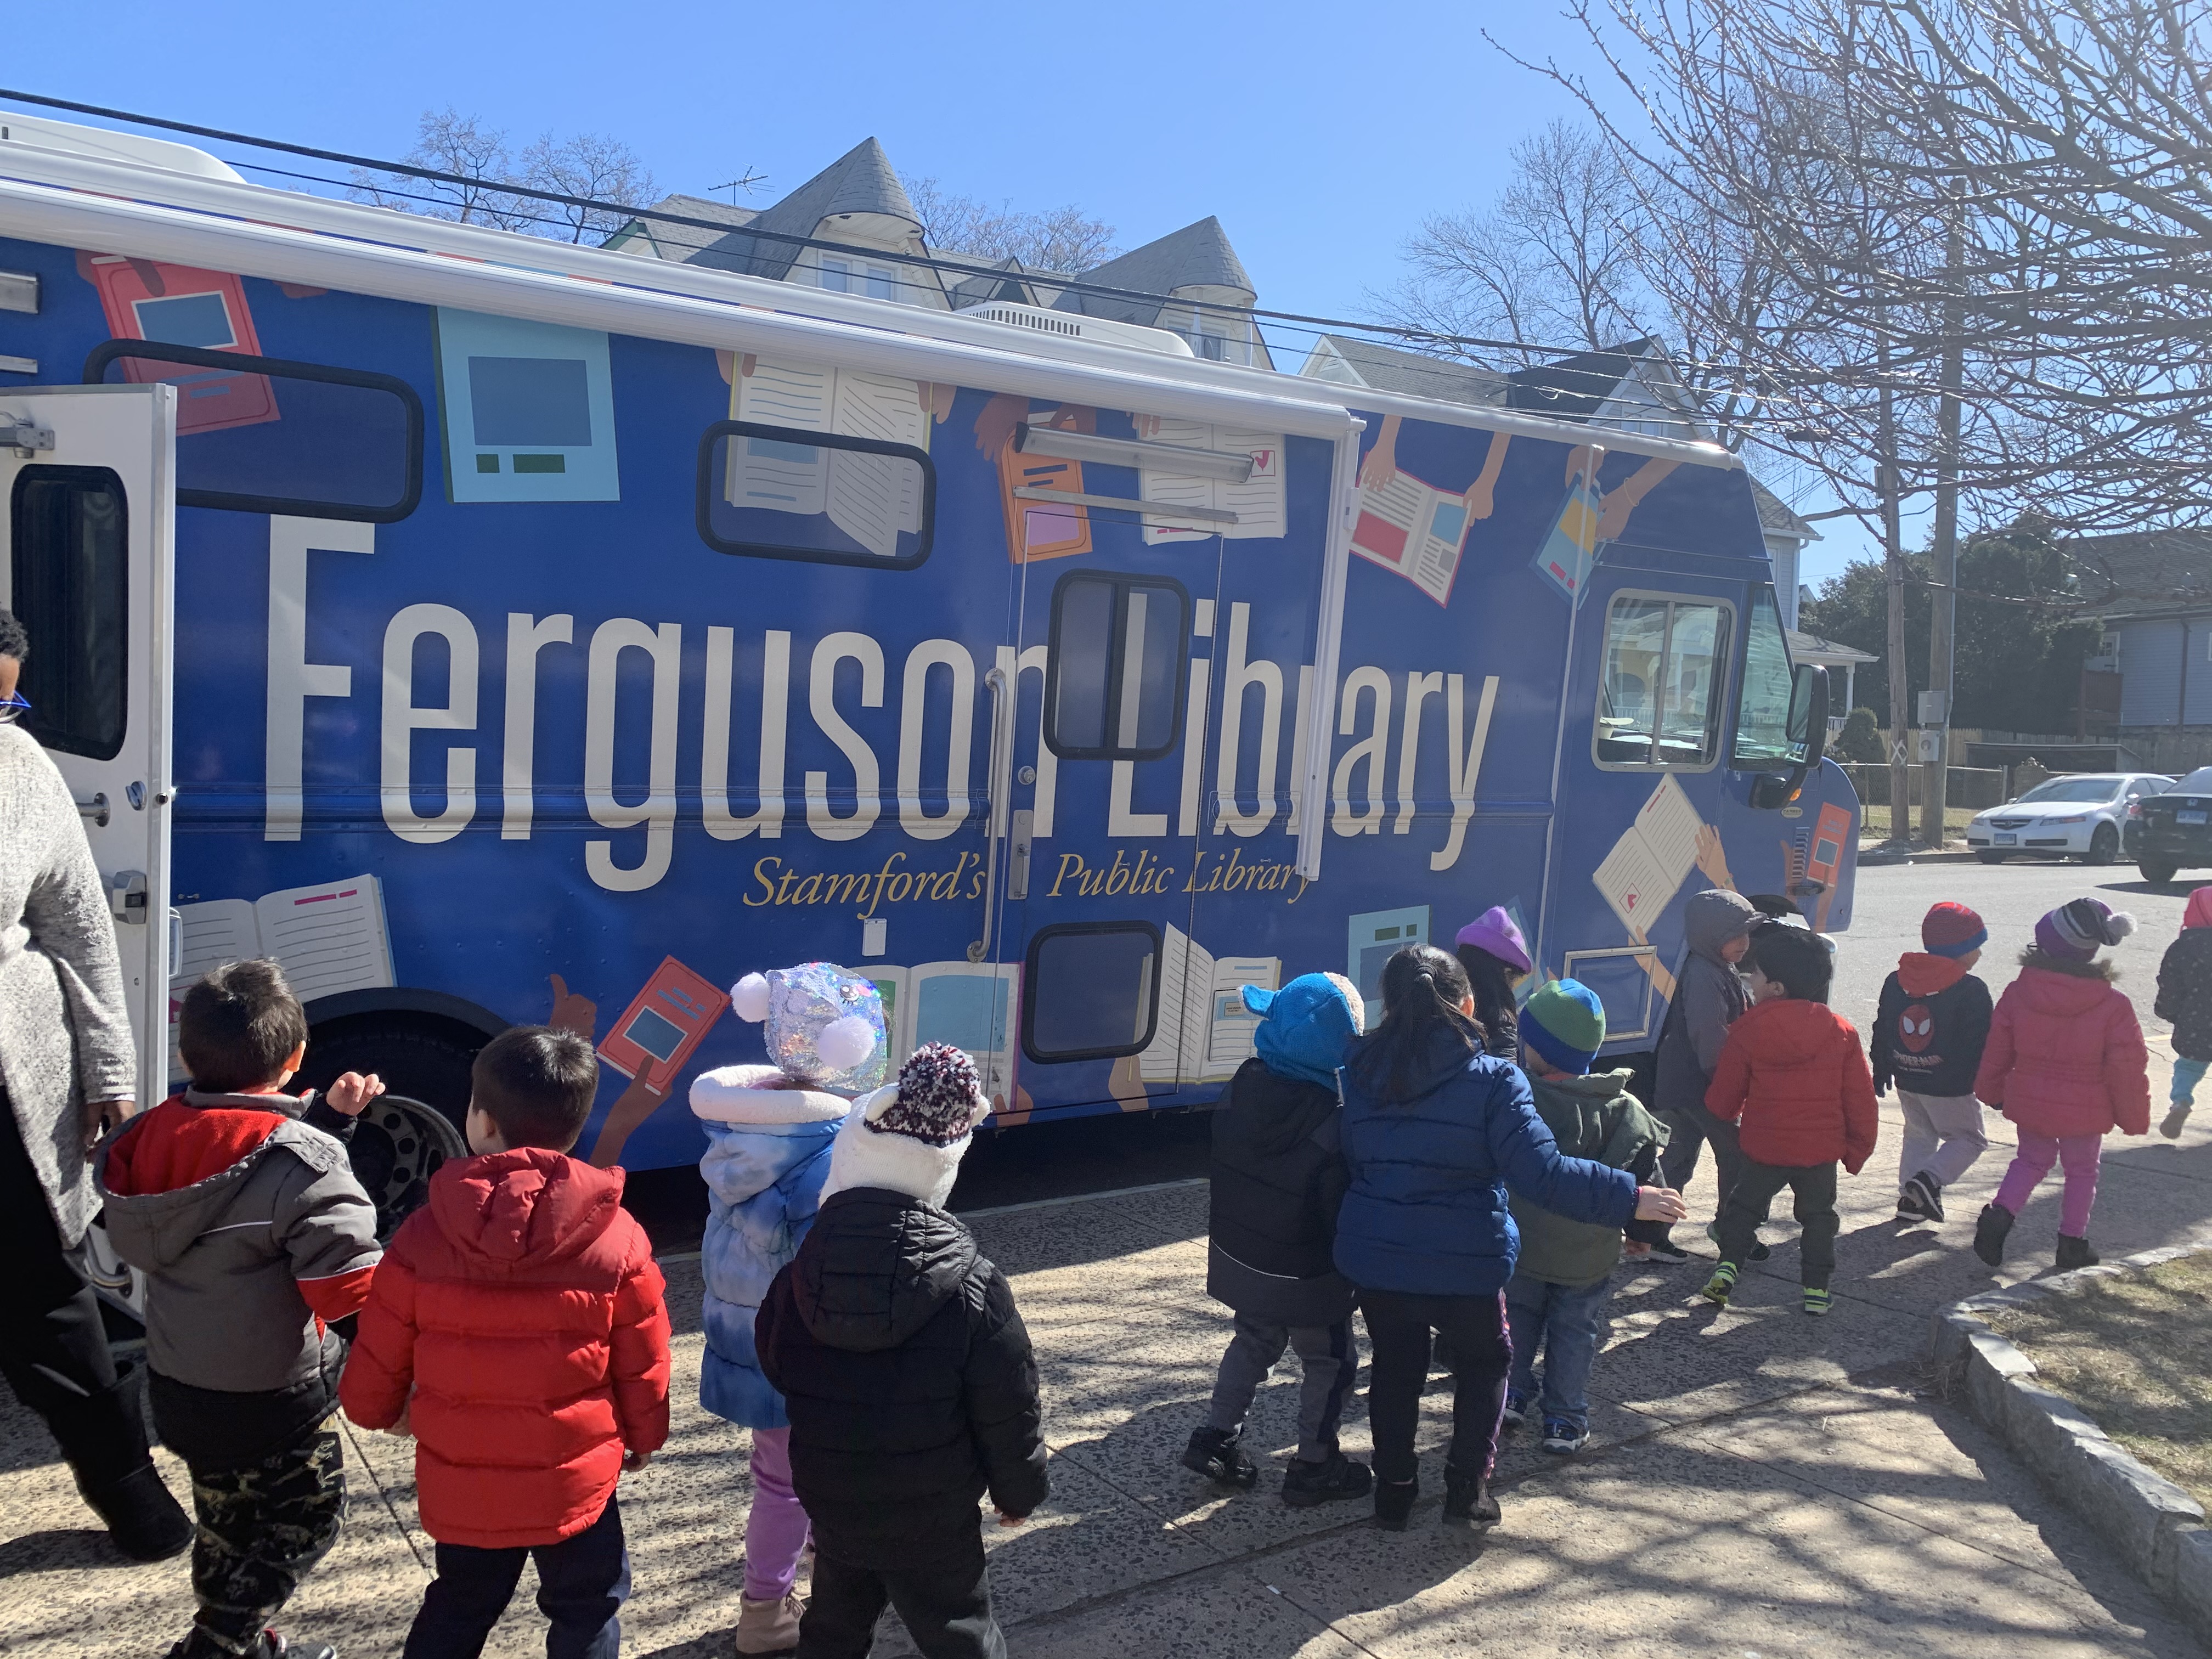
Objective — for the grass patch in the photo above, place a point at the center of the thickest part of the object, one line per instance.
(2135, 1351)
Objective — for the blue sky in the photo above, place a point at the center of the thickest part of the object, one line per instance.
(1321, 135)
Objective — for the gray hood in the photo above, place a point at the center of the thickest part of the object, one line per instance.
(1713, 918)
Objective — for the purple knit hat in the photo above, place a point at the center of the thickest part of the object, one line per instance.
(1493, 930)
(2078, 929)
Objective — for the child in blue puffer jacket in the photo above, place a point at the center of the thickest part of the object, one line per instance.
(768, 1133)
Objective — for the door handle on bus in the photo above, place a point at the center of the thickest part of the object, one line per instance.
(95, 809)
(1018, 854)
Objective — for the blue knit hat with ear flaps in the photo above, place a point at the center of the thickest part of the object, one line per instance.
(1305, 1028)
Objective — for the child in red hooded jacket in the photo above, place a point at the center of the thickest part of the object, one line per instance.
(1793, 1074)
(2066, 1063)
(522, 1307)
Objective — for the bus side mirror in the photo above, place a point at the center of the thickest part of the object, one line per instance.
(1809, 733)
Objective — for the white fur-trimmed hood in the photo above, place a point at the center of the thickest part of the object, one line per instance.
(865, 1157)
(761, 1094)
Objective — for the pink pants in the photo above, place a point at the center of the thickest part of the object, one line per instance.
(776, 1536)
(2037, 1154)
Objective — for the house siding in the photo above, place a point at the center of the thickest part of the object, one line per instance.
(2151, 654)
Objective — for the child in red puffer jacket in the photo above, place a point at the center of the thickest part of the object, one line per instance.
(1793, 1072)
(522, 1308)
(2066, 1063)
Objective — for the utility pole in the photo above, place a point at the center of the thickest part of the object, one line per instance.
(1935, 785)
(1887, 483)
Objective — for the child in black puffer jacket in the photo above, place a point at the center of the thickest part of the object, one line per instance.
(907, 1374)
(1277, 1180)
(2184, 996)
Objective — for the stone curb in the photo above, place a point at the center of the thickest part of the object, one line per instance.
(2160, 1528)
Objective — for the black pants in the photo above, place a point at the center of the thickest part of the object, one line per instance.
(53, 1349)
(946, 1608)
(1398, 1329)
(582, 1582)
(1814, 1190)
(262, 1526)
(1689, 1128)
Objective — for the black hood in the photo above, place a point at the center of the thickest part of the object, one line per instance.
(1266, 1114)
(876, 1266)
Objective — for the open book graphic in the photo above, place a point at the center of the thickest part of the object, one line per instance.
(1570, 552)
(871, 498)
(1647, 864)
(1417, 531)
(1259, 502)
(1204, 1030)
(969, 1005)
(327, 939)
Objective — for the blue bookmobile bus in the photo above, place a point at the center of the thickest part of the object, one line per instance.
(492, 630)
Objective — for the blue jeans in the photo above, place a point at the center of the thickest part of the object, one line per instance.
(2187, 1074)
(1568, 1324)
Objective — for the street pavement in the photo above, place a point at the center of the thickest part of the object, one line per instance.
(1761, 1484)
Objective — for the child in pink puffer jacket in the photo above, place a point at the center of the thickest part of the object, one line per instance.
(2065, 1062)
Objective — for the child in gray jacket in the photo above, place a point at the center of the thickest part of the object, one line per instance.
(238, 1203)
(1708, 999)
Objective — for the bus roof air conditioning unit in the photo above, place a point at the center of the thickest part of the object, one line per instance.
(1072, 326)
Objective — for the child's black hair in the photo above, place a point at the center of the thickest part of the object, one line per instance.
(1775, 907)
(238, 1026)
(1495, 1010)
(536, 1082)
(1794, 957)
(1422, 989)
(14, 638)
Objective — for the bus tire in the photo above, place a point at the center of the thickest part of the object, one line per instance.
(407, 1132)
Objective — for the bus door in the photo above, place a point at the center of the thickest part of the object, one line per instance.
(1120, 630)
(86, 565)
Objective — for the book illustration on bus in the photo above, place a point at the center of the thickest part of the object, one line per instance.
(971, 1005)
(1375, 937)
(1258, 506)
(1653, 857)
(1204, 1031)
(871, 498)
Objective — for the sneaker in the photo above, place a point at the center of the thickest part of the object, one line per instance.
(1517, 1410)
(1818, 1301)
(1717, 1288)
(1668, 1253)
(1213, 1453)
(2170, 1125)
(198, 1645)
(1921, 1199)
(1758, 1252)
(1393, 1502)
(1562, 1438)
(1468, 1506)
(1306, 1484)
(1990, 1230)
(766, 1626)
(2075, 1253)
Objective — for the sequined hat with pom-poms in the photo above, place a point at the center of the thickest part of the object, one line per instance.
(824, 1026)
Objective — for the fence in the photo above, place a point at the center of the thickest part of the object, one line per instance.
(1973, 787)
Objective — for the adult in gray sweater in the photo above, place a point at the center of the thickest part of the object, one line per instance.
(67, 1069)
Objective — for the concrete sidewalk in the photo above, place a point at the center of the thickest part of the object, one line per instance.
(1759, 1484)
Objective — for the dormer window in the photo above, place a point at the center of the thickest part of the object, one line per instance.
(841, 274)
(1221, 336)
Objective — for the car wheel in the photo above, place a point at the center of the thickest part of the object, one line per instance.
(2156, 872)
(2104, 845)
(402, 1137)
(1991, 858)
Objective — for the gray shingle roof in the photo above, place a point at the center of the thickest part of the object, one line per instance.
(1775, 514)
(681, 242)
(2148, 570)
(1012, 287)
(859, 181)
(1387, 368)
(1803, 648)
(1196, 256)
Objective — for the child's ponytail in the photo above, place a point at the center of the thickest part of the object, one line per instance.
(1422, 989)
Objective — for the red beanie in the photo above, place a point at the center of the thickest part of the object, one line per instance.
(1952, 930)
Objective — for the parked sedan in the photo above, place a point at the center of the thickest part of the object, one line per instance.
(2176, 828)
(2083, 815)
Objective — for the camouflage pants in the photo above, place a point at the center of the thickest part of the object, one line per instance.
(262, 1529)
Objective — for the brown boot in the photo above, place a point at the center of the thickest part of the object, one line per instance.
(769, 1626)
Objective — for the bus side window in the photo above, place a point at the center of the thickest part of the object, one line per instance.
(71, 571)
(1116, 665)
(1660, 682)
(1093, 990)
(263, 434)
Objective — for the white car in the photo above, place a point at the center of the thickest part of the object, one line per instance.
(2082, 815)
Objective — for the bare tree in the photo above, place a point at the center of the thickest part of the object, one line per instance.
(1062, 238)
(605, 170)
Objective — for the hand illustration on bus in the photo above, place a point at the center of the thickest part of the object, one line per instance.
(650, 1043)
